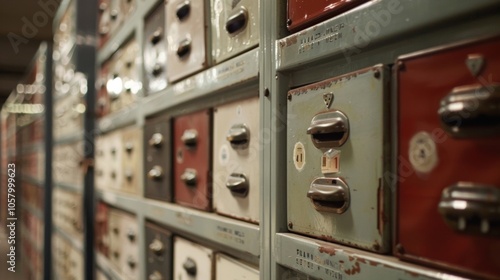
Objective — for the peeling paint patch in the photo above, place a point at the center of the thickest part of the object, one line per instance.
(354, 270)
(327, 250)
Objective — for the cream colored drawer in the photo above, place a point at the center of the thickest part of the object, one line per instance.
(129, 231)
(192, 261)
(132, 159)
(227, 268)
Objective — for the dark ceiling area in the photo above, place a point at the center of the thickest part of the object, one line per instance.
(23, 25)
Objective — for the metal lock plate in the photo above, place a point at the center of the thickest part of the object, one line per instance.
(157, 158)
(124, 83)
(303, 13)
(186, 52)
(235, 27)
(132, 156)
(129, 231)
(158, 252)
(192, 134)
(235, 161)
(191, 260)
(155, 51)
(227, 268)
(336, 159)
(448, 157)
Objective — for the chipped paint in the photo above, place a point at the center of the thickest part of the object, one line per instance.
(354, 270)
(327, 250)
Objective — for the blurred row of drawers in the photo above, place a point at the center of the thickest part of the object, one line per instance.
(67, 260)
(32, 257)
(167, 257)
(67, 212)
(32, 196)
(177, 159)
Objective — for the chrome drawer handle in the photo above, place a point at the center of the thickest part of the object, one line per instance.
(155, 276)
(184, 48)
(156, 37)
(330, 129)
(190, 138)
(471, 111)
(238, 184)
(156, 173)
(471, 208)
(237, 21)
(157, 70)
(239, 136)
(189, 177)
(190, 267)
(183, 10)
(156, 246)
(129, 147)
(131, 235)
(131, 262)
(156, 140)
(329, 195)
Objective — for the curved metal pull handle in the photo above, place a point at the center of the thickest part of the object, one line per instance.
(157, 70)
(329, 195)
(113, 14)
(239, 136)
(156, 246)
(131, 235)
(184, 48)
(237, 21)
(330, 129)
(129, 147)
(129, 175)
(471, 208)
(471, 111)
(156, 36)
(190, 267)
(189, 177)
(156, 173)
(155, 276)
(183, 10)
(238, 184)
(190, 138)
(131, 262)
(156, 140)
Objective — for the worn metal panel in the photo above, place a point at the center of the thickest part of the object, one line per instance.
(353, 154)
(326, 260)
(186, 37)
(227, 268)
(192, 261)
(154, 48)
(231, 233)
(235, 27)
(192, 160)
(158, 158)
(132, 156)
(233, 160)
(158, 252)
(371, 24)
(446, 156)
(129, 246)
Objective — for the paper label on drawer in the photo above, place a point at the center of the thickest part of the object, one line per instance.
(422, 152)
(299, 156)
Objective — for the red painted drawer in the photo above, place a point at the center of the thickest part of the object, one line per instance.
(101, 229)
(448, 158)
(304, 13)
(192, 136)
(104, 21)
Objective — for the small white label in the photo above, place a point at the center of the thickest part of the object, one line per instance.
(299, 156)
(224, 155)
(238, 110)
(330, 161)
(422, 152)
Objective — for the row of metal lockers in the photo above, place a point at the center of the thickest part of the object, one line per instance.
(395, 159)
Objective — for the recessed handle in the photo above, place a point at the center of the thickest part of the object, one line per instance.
(184, 48)
(156, 246)
(190, 267)
(238, 184)
(239, 136)
(155, 276)
(471, 111)
(183, 10)
(329, 129)
(156, 36)
(189, 177)
(156, 173)
(156, 140)
(471, 208)
(190, 138)
(157, 70)
(237, 21)
(329, 195)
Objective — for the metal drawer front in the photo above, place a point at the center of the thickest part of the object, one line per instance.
(336, 160)
(132, 157)
(158, 251)
(192, 261)
(186, 53)
(236, 160)
(115, 242)
(101, 229)
(129, 230)
(155, 51)
(303, 13)
(227, 268)
(449, 184)
(192, 160)
(235, 27)
(115, 155)
(157, 160)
